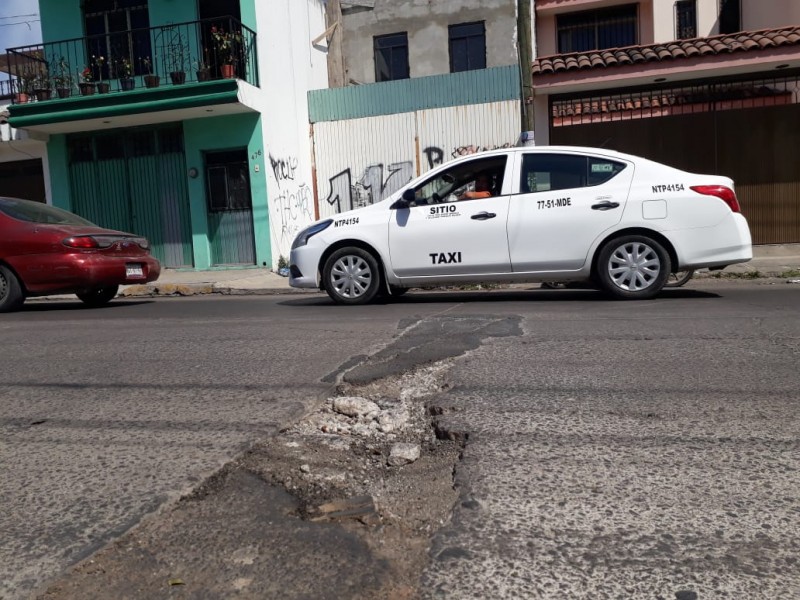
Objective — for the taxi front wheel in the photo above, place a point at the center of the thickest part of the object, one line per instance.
(351, 276)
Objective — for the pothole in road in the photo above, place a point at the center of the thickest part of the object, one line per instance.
(371, 460)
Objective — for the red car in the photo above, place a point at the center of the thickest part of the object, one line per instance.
(46, 250)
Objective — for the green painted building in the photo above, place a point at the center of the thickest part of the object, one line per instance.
(152, 114)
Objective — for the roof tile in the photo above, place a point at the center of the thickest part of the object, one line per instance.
(746, 41)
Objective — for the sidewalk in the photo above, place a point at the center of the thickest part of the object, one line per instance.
(768, 261)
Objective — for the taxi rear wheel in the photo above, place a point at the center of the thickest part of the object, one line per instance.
(99, 296)
(633, 267)
(11, 295)
(351, 276)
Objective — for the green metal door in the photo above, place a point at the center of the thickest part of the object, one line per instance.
(230, 214)
(133, 180)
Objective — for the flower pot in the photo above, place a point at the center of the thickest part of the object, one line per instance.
(103, 87)
(127, 84)
(228, 71)
(42, 94)
(63, 92)
(21, 98)
(151, 81)
(87, 89)
(203, 75)
(177, 77)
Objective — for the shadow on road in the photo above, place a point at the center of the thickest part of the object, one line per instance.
(490, 296)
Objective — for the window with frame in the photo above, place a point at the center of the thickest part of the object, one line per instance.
(467, 46)
(551, 172)
(685, 19)
(391, 57)
(730, 16)
(228, 178)
(454, 183)
(117, 31)
(615, 27)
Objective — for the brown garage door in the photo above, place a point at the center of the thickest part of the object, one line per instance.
(746, 129)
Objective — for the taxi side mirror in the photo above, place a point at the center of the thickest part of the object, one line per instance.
(405, 200)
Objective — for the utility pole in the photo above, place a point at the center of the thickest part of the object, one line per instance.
(333, 14)
(525, 51)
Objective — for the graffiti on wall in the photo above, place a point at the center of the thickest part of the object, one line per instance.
(293, 205)
(378, 181)
(375, 183)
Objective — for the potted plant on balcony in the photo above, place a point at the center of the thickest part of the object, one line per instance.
(102, 86)
(86, 84)
(62, 78)
(228, 47)
(124, 71)
(150, 80)
(25, 79)
(41, 84)
(202, 70)
(177, 61)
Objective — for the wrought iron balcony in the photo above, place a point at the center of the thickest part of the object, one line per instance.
(175, 54)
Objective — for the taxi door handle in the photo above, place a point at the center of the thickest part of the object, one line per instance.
(482, 216)
(606, 205)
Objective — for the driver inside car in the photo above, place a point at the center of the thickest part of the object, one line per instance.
(483, 187)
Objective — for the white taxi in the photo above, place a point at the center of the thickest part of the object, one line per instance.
(528, 214)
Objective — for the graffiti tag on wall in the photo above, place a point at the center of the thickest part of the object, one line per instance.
(379, 181)
(293, 206)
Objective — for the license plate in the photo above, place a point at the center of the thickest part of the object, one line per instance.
(134, 270)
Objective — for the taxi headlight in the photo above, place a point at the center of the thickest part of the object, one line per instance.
(303, 237)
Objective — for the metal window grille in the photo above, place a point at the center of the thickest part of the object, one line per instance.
(669, 101)
(685, 19)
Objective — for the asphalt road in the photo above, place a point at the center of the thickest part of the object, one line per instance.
(616, 449)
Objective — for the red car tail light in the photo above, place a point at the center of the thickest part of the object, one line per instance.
(84, 242)
(726, 194)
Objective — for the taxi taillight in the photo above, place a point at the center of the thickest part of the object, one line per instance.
(726, 194)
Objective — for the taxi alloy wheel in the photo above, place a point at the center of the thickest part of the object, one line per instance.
(11, 296)
(351, 276)
(633, 267)
(99, 296)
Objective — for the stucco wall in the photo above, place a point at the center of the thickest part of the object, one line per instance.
(427, 26)
(290, 66)
(766, 14)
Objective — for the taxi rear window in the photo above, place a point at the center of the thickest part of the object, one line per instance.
(550, 172)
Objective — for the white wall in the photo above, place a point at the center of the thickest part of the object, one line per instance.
(290, 66)
(768, 14)
(362, 161)
(16, 144)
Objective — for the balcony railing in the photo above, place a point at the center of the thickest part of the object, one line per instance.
(175, 54)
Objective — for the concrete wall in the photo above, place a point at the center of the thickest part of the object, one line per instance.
(427, 26)
(290, 67)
